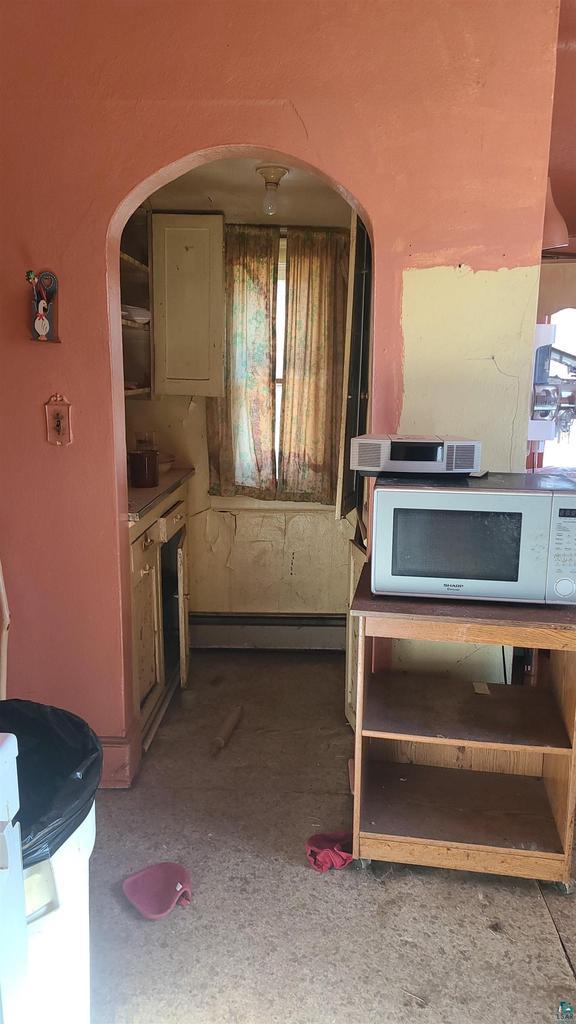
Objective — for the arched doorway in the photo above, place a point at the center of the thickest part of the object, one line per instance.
(312, 579)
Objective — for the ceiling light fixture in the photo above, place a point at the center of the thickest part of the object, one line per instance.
(272, 177)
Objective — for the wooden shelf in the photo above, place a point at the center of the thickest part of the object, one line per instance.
(452, 775)
(451, 711)
(129, 261)
(487, 809)
(552, 627)
(134, 325)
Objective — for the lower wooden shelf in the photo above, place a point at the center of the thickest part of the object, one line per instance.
(470, 776)
(453, 711)
(446, 805)
(547, 867)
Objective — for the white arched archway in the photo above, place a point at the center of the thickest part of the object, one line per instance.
(175, 170)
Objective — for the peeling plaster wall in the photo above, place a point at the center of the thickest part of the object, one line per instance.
(468, 341)
(252, 561)
(256, 556)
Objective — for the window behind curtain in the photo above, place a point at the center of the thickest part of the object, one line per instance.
(276, 431)
(241, 425)
(280, 339)
(316, 292)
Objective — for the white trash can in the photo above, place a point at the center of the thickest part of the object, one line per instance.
(59, 764)
(57, 987)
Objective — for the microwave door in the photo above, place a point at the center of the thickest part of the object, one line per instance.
(477, 546)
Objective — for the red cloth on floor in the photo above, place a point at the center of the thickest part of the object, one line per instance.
(157, 889)
(329, 850)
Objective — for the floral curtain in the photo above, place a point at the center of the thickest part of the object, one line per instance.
(316, 291)
(241, 425)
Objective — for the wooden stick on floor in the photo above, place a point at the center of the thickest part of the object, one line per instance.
(226, 729)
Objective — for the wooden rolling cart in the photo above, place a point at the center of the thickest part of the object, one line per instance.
(471, 776)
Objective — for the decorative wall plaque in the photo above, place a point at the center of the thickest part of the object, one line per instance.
(44, 317)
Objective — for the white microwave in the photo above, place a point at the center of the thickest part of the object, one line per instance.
(502, 537)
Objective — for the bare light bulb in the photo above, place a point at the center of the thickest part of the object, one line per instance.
(272, 177)
(269, 202)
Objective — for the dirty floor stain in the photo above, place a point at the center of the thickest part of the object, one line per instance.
(267, 940)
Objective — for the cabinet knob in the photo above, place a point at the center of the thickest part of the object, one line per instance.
(178, 517)
(147, 543)
(146, 570)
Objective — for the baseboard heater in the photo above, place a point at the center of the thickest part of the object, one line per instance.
(270, 632)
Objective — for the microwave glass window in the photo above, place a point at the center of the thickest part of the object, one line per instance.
(449, 544)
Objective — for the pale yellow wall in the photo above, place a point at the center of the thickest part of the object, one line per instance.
(247, 555)
(458, 661)
(468, 343)
(557, 287)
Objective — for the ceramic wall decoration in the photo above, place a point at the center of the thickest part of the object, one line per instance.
(58, 420)
(44, 321)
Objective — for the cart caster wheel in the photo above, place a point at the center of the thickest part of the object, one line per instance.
(362, 863)
(566, 888)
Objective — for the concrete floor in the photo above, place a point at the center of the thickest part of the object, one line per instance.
(267, 940)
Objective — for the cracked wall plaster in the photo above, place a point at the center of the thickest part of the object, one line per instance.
(247, 561)
(468, 341)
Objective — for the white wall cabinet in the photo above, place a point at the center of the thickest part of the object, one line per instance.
(188, 303)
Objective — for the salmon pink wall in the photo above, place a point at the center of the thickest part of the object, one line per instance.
(433, 114)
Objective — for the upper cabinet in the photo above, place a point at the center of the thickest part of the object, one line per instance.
(188, 303)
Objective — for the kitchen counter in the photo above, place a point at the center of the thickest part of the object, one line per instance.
(141, 500)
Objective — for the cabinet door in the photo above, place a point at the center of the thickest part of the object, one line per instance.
(147, 657)
(188, 303)
(183, 599)
(357, 560)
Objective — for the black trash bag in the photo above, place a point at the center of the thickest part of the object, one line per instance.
(59, 769)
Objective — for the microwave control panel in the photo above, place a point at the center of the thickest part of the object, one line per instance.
(561, 584)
